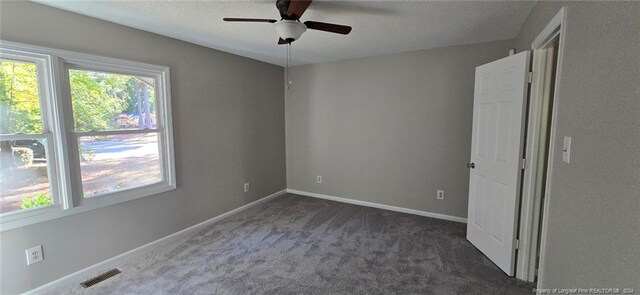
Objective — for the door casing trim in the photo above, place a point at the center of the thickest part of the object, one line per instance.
(528, 235)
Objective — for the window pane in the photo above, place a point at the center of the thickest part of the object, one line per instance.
(19, 98)
(106, 101)
(24, 181)
(117, 162)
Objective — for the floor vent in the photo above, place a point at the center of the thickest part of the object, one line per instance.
(99, 278)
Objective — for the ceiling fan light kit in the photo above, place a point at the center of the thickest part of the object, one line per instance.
(290, 30)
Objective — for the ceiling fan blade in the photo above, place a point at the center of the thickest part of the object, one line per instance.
(249, 20)
(333, 28)
(297, 8)
(282, 41)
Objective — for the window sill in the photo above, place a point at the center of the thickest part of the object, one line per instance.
(50, 213)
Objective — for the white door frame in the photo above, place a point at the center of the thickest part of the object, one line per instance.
(530, 203)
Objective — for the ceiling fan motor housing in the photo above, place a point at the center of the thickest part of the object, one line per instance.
(290, 30)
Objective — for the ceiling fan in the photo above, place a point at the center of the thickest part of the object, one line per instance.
(289, 27)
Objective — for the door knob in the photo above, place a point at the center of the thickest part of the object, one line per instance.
(471, 165)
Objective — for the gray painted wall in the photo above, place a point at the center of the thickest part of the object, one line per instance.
(228, 116)
(593, 237)
(390, 129)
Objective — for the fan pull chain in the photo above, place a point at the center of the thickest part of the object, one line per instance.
(288, 63)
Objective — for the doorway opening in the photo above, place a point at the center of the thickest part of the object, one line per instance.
(547, 54)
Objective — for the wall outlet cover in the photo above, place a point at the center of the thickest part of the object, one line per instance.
(246, 187)
(34, 255)
(319, 179)
(440, 194)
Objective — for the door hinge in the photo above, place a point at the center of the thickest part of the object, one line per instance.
(524, 164)
(530, 78)
(517, 244)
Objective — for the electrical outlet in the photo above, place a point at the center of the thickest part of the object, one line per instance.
(34, 255)
(440, 194)
(246, 187)
(319, 179)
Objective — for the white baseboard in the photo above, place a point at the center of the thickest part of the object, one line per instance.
(83, 274)
(380, 206)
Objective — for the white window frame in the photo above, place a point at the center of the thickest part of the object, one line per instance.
(65, 174)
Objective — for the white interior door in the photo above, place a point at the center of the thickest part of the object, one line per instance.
(496, 153)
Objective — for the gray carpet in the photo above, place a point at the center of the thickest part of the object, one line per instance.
(302, 245)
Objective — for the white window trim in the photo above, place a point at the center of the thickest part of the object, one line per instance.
(66, 174)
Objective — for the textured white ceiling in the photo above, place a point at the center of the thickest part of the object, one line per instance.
(379, 27)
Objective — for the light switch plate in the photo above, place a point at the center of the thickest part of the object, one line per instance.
(566, 149)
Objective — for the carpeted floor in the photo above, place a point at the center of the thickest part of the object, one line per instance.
(301, 245)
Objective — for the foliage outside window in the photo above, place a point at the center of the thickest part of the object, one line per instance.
(107, 101)
(19, 98)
